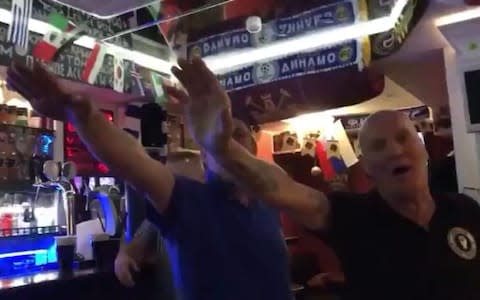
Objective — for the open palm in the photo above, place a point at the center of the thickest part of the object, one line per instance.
(207, 105)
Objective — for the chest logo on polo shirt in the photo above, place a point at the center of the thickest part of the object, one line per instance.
(462, 243)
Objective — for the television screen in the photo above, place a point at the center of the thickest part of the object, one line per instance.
(472, 86)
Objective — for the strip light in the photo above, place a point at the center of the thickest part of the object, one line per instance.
(229, 61)
(458, 17)
(141, 59)
(23, 253)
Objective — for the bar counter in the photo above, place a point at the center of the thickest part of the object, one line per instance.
(83, 284)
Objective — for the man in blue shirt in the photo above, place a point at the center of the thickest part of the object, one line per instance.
(222, 244)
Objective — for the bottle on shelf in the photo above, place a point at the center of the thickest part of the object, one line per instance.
(12, 114)
(22, 116)
(3, 114)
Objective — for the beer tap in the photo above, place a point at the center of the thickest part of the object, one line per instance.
(59, 177)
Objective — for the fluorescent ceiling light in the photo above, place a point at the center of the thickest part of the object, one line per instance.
(222, 63)
(462, 16)
(141, 59)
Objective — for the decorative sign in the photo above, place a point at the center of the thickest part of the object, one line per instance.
(355, 122)
(322, 60)
(326, 16)
(96, 28)
(75, 151)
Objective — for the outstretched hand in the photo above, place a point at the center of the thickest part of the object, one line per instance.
(206, 106)
(44, 92)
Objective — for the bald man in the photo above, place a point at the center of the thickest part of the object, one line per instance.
(397, 242)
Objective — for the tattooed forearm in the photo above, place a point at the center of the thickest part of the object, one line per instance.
(256, 175)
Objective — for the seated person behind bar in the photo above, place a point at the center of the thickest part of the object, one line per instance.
(147, 247)
(221, 244)
(397, 242)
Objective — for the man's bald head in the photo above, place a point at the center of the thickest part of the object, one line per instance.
(393, 154)
(380, 119)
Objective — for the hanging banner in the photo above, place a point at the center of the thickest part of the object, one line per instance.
(70, 63)
(388, 42)
(355, 122)
(97, 28)
(332, 15)
(322, 60)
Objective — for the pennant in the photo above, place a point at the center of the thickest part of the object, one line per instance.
(289, 142)
(308, 147)
(59, 36)
(348, 154)
(94, 63)
(335, 157)
(323, 161)
(118, 74)
(18, 29)
(159, 93)
(138, 88)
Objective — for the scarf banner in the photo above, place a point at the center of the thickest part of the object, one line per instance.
(332, 15)
(322, 60)
(355, 122)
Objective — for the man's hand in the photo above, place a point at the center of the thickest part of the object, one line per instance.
(123, 154)
(45, 94)
(124, 268)
(207, 105)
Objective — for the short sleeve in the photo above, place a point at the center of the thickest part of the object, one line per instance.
(185, 206)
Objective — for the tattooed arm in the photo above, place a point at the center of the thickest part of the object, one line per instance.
(269, 182)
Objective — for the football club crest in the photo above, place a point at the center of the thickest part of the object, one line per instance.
(195, 51)
(342, 13)
(345, 54)
(462, 243)
(265, 72)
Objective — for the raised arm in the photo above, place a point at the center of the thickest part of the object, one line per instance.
(272, 184)
(209, 119)
(117, 149)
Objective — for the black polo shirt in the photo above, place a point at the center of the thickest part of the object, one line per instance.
(386, 256)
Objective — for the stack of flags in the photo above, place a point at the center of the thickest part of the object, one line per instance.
(63, 33)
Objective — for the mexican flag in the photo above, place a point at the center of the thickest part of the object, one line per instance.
(94, 63)
(59, 35)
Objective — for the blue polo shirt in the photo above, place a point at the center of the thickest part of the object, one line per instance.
(220, 249)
